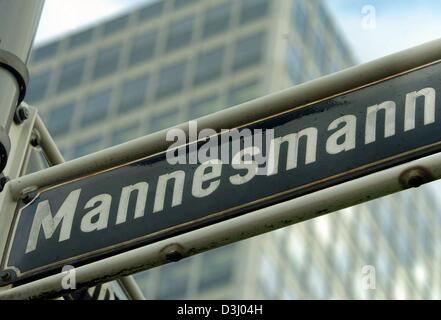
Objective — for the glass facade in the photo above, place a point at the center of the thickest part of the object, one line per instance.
(72, 75)
(217, 20)
(243, 92)
(116, 25)
(299, 19)
(216, 269)
(252, 10)
(295, 64)
(171, 80)
(45, 52)
(107, 61)
(125, 133)
(164, 120)
(180, 34)
(38, 86)
(152, 11)
(80, 39)
(60, 118)
(143, 48)
(173, 282)
(249, 51)
(88, 146)
(210, 66)
(203, 106)
(133, 93)
(96, 107)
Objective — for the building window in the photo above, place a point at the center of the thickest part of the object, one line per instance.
(144, 280)
(96, 107)
(337, 64)
(88, 146)
(116, 25)
(217, 268)
(425, 236)
(165, 120)
(80, 39)
(210, 66)
(317, 283)
(319, 52)
(384, 267)
(152, 11)
(44, 115)
(180, 34)
(143, 48)
(107, 61)
(300, 18)
(410, 210)
(324, 16)
(429, 198)
(268, 277)
(249, 51)
(38, 86)
(342, 258)
(60, 118)
(243, 92)
(204, 106)
(133, 93)
(252, 10)
(385, 216)
(366, 238)
(405, 251)
(183, 3)
(342, 48)
(217, 20)
(171, 80)
(174, 278)
(126, 133)
(66, 153)
(296, 249)
(45, 52)
(295, 64)
(72, 74)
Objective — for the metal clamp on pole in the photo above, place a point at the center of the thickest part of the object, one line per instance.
(18, 25)
(18, 69)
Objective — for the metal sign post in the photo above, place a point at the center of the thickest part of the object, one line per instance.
(42, 138)
(337, 141)
(18, 26)
(20, 137)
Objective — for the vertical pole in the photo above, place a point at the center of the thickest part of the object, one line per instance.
(50, 149)
(132, 289)
(18, 25)
(54, 157)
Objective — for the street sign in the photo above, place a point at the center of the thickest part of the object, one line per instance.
(308, 148)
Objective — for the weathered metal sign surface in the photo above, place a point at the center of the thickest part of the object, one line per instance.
(303, 150)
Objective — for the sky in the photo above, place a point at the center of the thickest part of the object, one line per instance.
(65, 16)
(396, 24)
(373, 28)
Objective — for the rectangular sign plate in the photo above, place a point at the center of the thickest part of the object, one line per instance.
(312, 147)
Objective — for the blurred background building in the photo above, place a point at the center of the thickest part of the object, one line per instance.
(175, 60)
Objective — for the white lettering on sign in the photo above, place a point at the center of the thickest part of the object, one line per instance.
(206, 178)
